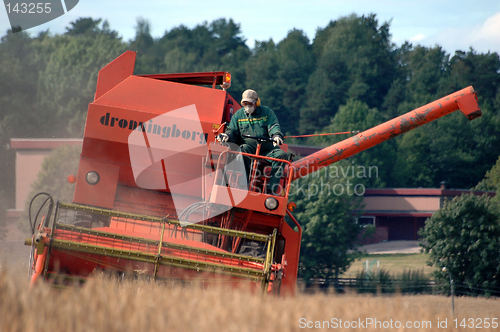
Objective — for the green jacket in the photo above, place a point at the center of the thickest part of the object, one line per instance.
(261, 123)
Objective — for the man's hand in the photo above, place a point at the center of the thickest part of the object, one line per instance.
(278, 140)
(222, 137)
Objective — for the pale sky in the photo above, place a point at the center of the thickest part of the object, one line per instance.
(455, 25)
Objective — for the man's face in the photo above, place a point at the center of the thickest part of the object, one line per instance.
(248, 106)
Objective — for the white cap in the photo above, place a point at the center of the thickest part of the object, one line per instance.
(249, 96)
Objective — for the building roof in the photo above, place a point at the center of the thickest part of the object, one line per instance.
(410, 202)
(424, 192)
(42, 143)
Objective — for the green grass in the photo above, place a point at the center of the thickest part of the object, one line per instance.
(392, 263)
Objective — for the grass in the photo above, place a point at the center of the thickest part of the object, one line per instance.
(105, 304)
(392, 263)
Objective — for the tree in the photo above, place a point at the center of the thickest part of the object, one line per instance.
(296, 63)
(83, 25)
(482, 71)
(357, 62)
(147, 59)
(262, 73)
(420, 72)
(412, 169)
(452, 146)
(328, 206)
(68, 83)
(425, 68)
(356, 115)
(52, 179)
(226, 36)
(19, 71)
(491, 182)
(232, 53)
(446, 149)
(464, 237)
(218, 46)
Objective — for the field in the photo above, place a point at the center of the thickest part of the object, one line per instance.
(392, 263)
(105, 304)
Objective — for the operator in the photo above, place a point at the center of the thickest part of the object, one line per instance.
(259, 121)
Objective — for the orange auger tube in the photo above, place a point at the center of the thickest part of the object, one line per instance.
(465, 100)
(39, 265)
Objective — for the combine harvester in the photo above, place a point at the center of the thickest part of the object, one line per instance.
(156, 196)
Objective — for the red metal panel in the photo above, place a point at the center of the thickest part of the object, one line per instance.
(244, 199)
(205, 78)
(292, 253)
(114, 73)
(157, 97)
(101, 194)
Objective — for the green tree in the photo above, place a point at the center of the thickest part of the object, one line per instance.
(357, 116)
(20, 64)
(262, 73)
(464, 237)
(412, 168)
(328, 207)
(147, 59)
(491, 182)
(232, 53)
(452, 146)
(482, 71)
(68, 83)
(425, 68)
(207, 47)
(182, 49)
(19, 71)
(356, 62)
(420, 72)
(296, 63)
(52, 179)
(446, 149)
(89, 26)
(226, 36)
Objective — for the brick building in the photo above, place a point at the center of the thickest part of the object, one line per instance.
(399, 213)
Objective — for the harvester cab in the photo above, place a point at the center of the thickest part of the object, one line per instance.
(157, 196)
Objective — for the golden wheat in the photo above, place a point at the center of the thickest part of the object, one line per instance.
(104, 304)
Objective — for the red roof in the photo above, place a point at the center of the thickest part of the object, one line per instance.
(423, 192)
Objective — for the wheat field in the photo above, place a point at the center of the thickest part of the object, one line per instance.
(105, 304)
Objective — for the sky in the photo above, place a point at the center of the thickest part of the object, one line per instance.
(454, 25)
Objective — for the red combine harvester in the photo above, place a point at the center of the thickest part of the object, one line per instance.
(155, 197)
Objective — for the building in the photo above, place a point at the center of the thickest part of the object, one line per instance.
(30, 153)
(398, 214)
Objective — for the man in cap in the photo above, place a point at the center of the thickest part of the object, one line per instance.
(259, 121)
